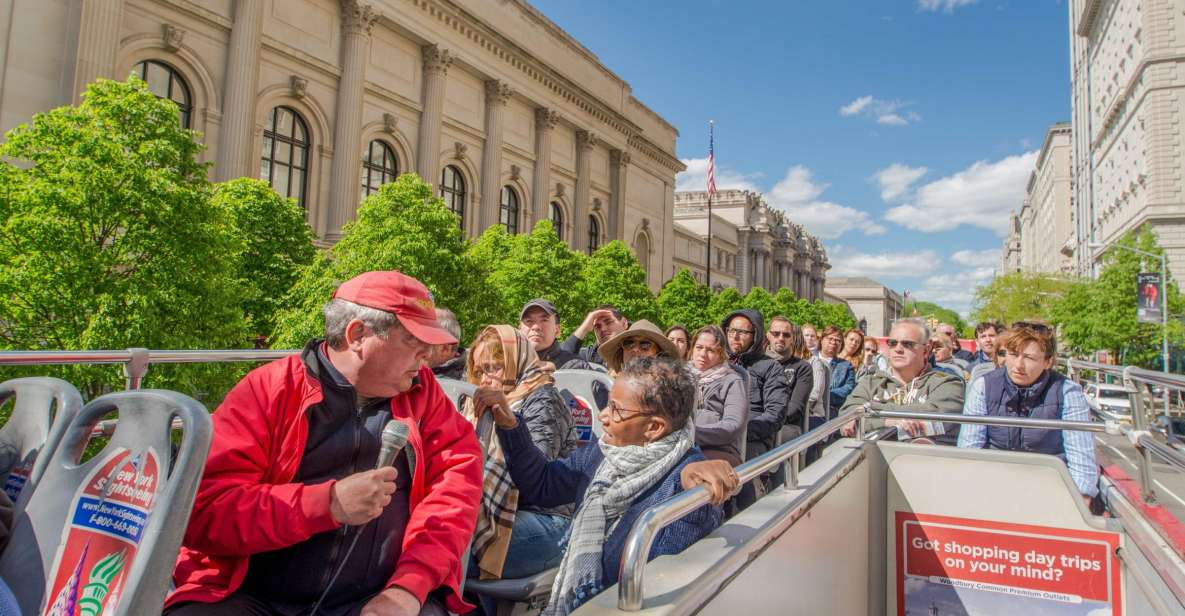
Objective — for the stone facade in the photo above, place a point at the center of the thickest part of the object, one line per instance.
(1127, 75)
(877, 305)
(1041, 237)
(526, 121)
(752, 244)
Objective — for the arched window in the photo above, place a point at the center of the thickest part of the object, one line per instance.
(165, 82)
(452, 189)
(379, 166)
(508, 212)
(557, 219)
(285, 162)
(594, 234)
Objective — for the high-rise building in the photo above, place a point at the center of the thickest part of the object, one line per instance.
(1127, 76)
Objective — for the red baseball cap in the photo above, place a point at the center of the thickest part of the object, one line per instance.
(405, 297)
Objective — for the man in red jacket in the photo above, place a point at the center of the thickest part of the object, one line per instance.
(290, 482)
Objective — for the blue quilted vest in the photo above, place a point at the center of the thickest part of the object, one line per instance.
(1042, 400)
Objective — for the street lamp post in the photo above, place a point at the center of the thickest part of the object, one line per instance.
(1164, 304)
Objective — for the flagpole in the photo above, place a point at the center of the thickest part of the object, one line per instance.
(711, 139)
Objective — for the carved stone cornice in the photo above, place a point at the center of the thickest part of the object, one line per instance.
(648, 149)
(171, 37)
(436, 59)
(358, 18)
(546, 119)
(498, 92)
(586, 140)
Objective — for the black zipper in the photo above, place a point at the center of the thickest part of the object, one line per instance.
(335, 551)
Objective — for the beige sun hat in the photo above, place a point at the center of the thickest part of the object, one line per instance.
(611, 348)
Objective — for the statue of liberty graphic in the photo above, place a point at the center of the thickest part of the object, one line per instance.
(77, 599)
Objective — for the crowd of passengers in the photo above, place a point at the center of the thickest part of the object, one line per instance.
(291, 511)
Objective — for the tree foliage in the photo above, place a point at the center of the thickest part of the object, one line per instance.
(940, 314)
(1018, 296)
(401, 227)
(612, 275)
(685, 301)
(276, 243)
(109, 239)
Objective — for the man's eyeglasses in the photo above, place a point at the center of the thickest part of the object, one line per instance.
(780, 334)
(909, 345)
(739, 333)
(618, 413)
(640, 344)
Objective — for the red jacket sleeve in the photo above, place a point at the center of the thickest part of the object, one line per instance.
(236, 512)
(441, 525)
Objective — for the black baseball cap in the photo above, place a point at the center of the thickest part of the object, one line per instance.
(547, 306)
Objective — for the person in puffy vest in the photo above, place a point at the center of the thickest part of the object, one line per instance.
(1027, 386)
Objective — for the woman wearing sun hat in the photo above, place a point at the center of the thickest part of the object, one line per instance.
(642, 339)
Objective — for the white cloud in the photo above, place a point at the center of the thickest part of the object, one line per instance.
(797, 195)
(977, 258)
(887, 112)
(954, 290)
(896, 180)
(946, 6)
(855, 106)
(696, 177)
(851, 262)
(981, 195)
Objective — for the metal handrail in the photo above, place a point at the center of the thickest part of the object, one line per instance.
(653, 520)
(136, 360)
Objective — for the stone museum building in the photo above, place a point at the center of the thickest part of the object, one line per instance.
(510, 118)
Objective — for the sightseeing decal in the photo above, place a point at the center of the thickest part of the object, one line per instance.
(104, 528)
(19, 476)
(955, 566)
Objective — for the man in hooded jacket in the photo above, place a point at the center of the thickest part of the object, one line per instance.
(768, 393)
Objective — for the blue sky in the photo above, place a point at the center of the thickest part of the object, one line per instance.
(902, 132)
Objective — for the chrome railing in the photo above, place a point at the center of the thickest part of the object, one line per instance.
(137, 360)
(653, 520)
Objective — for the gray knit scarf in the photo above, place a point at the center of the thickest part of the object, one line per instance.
(625, 473)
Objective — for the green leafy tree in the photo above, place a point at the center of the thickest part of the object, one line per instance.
(833, 314)
(760, 300)
(1017, 296)
(942, 315)
(685, 301)
(726, 301)
(401, 227)
(539, 264)
(612, 275)
(109, 239)
(276, 243)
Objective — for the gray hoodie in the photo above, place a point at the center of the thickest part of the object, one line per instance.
(932, 391)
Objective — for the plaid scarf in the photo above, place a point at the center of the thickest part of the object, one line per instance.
(625, 473)
(499, 500)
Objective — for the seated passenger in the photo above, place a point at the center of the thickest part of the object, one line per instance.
(646, 456)
(787, 347)
(642, 339)
(722, 404)
(681, 338)
(605, 321)
(513, 541)
(910, 385)
(1027, 386)
(448, 360)
(290, 479)
(843, 375)
(539, 321)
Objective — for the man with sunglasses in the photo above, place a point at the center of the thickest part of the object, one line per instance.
(911, 385)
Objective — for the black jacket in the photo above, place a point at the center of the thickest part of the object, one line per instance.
(574, 346)
(799, 381)
(562, 358)
(453, 368)
(768, 393)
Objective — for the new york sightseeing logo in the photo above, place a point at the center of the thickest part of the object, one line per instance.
(103, 531)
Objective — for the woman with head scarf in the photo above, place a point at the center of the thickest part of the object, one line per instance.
(647, 455)
(510, 541)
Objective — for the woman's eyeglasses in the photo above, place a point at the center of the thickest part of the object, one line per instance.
(618, 413)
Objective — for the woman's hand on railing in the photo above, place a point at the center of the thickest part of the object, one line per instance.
(494, 401)
(718, 477)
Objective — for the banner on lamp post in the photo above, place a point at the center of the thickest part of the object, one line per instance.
(1148, 297)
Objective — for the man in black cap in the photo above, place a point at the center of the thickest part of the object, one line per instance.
(539, 322)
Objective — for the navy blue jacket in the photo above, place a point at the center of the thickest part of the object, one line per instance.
(843, 381)
(560, 482)
(1041, 400)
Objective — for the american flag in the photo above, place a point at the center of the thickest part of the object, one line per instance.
(711, 160)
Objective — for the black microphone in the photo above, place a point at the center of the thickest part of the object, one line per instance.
(394, 439)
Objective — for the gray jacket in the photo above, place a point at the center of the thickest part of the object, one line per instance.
(552, 429)
(721, 416)
(932, 391)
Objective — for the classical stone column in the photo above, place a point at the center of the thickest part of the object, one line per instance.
(436, 63)
(585, 142)
(545, 121)
(237, 131)
(759, 279)
(497, 94)
(619, 162)
(98, 41)
(344, 185)
(744, 263)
